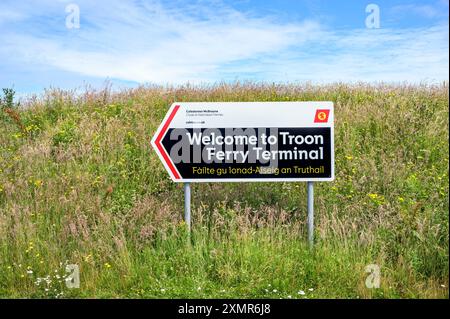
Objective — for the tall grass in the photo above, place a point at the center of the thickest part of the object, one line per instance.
(80, 184)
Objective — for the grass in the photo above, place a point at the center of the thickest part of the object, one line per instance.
(80, 184)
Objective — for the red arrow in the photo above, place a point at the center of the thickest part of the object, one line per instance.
(161, 149)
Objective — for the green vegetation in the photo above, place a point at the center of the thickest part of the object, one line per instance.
(80, 184)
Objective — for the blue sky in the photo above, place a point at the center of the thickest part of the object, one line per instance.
(174, 42)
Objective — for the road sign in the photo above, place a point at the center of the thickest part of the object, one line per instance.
(247, 141)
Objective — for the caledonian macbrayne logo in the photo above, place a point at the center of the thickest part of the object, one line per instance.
(321, 116)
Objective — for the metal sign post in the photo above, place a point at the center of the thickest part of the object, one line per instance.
(310, 188)
(187, 205)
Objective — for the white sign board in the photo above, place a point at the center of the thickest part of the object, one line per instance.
(247, 141)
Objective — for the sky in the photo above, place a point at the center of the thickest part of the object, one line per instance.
(71, 44)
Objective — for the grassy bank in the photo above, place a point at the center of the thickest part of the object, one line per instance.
(80, 184)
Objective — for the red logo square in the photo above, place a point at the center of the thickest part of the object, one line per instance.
(321, 116)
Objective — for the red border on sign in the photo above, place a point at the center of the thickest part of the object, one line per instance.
(161, 149)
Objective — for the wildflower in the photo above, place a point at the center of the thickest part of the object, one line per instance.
(377, 199)
(29, 272)
(310, 289)
(348, 157)
(107, 265)
(38, 183)
(199, 288)
(290, 297)
(301, 292)
(163, 290)
(274, 290)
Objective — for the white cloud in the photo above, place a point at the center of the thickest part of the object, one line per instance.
(424, 10)
(153, 43)
(414, 55)
(150, 42)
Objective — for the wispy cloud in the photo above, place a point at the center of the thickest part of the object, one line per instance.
(147, 41)
(424, 10)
